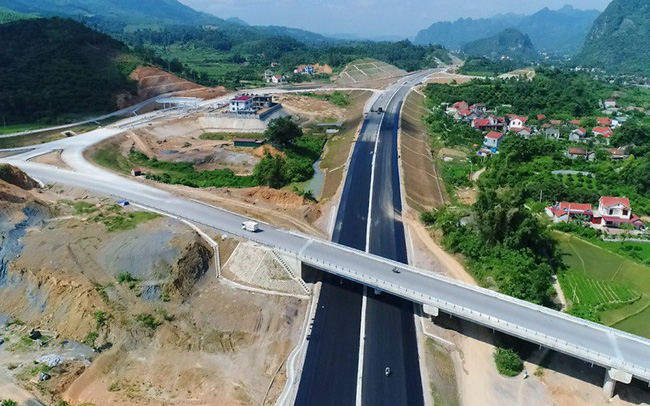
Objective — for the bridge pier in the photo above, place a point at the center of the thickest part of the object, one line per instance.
(611, 377)
(430, 310)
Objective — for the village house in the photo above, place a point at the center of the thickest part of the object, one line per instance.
(556, 122)
(604, 132)
(604, 121)
(304, 69)
(618, 154)
(610, 103)
(615, 212)
(564, 212)
(541, 117)
(478, 108)
(575, 122)
(580, 153)
(277, 79)
(578, 135)
(493, 140)
(525, 132)
(516, 122)
(489, 123)
(268, 74)
(551, 132)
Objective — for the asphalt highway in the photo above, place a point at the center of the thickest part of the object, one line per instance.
(389, 324)
(601, 345)
(391, 339)
(333, 350)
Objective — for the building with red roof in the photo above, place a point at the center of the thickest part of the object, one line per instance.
(493, 139)
(614, 212)
(566, 212)
(241, 103)
(604, 121)
(603, 131)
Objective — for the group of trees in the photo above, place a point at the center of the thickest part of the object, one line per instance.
(300, 152)
(505, 246)
(52, 68)
(552, 92)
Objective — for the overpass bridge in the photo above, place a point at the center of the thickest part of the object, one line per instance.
(624, 355)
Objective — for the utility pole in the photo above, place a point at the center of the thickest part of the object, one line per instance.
(540, 196)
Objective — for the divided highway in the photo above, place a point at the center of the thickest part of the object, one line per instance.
(591, 342)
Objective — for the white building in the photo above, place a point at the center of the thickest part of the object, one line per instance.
(241, 103)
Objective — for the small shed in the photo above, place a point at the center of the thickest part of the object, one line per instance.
(249, 142)
(136, 172)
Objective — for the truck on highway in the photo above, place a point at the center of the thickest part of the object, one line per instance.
(251, 226)
(380, 110)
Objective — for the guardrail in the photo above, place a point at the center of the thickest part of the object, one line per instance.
(478, 317)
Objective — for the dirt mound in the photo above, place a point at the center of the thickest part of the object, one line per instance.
(153, 82)
(280, 198)
(16, 177)
(261, 152)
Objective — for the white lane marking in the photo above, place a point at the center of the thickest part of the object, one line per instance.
(362, 344)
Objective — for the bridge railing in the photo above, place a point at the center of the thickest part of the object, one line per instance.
(481, 318)
(461, 311)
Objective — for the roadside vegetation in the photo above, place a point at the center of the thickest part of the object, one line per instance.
(508, 362)
(505, 237)
(292, 162)
(337, 98)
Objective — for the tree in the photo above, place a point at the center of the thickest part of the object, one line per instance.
(283, 131)
(8, 402)
(271, 171)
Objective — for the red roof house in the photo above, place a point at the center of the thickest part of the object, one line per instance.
(603, 131)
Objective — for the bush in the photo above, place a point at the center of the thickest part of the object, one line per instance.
(148, 321)
(508, 362)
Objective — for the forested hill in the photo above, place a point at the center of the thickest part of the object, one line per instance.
(619, 39)
(53, 68)
(562, 30)
(510, 43)
(129, 11)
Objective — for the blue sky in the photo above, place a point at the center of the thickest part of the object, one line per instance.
(372, 17)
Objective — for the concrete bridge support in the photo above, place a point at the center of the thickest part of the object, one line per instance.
(430, 310)
(611, 377)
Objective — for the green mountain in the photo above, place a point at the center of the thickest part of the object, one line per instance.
(618, 41)
(7, 16)
(508, 44)
(562, 30)
(53, 68)
(128, 11)
(453, 35)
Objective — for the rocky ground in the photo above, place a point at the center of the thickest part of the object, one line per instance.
(129, 308)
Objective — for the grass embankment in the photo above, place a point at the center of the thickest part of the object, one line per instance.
(444, 389)
(605, 286)
(336, 98)
(421, 184)
(338, 147)
(114, 217)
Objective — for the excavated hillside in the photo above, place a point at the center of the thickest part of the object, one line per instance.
(128, 307)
